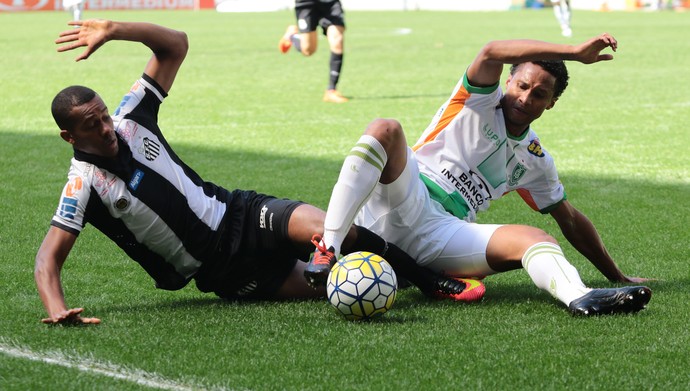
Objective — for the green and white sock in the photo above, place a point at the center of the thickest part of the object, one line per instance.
(359, 175)
(550, 271)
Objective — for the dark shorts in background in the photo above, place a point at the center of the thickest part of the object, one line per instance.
(311, 14)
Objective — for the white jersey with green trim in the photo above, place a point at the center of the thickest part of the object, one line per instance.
(467, 158)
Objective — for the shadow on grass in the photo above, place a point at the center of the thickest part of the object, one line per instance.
(410, 305)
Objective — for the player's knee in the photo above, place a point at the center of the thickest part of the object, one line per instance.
(537, 235)
(386, 128)
(307, 45)
(336, 45)
(388, 132)
(307, 51)
(510, 242)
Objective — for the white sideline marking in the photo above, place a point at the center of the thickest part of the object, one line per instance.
(402, 31)
(106, 369)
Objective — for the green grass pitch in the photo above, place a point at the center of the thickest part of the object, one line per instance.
(245, 116)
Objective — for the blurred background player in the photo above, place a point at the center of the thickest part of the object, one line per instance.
(330, 16)
(75, 7)
(561, 8)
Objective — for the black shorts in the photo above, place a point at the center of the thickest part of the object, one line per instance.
(262, 253)
(311, 14)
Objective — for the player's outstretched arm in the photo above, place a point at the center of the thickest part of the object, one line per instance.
(487, 67)
(582, 234)
(169, 46)
(49, 260)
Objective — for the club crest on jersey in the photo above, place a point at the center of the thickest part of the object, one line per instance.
(517, 173)
(151, 149)
(535, 148)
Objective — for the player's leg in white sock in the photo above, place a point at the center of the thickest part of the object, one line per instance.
(565, 12)
(359, 175)
(557, 12)
(561, 10)
(550, 271)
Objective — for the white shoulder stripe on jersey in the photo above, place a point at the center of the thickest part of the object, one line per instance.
(152, 88)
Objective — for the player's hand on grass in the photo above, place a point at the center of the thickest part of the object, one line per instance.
(91, 33)
(590, 52)
(70, 317)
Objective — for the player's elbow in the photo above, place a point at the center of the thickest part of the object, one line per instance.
(40, 271)
(182, 46)
(172, 49)
(40, 266)
(45, 264)
(490, 51)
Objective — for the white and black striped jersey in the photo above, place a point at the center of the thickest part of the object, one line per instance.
(149, 202)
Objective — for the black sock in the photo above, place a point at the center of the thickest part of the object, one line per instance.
(403, 264)
(336, 64)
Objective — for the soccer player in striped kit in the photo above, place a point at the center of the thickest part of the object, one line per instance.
(479, 146)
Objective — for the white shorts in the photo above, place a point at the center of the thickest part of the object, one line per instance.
(403, 213)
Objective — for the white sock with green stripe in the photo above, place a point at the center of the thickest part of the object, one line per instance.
(550, 271)
(359, 175)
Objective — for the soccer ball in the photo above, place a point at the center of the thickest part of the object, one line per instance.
(361, 286)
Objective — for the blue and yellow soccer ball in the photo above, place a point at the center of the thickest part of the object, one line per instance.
(361, 286)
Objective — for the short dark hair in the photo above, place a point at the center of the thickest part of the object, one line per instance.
(66, 100)
(556, 68)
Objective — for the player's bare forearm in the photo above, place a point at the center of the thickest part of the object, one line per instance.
(50, 258)
(93, 33)
(156, 37)
(487, 67)
(590, 245)
(521, 50)
(169, 46)
(585, 238)
(47, 276)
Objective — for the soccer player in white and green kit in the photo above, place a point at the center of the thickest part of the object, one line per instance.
(479, 146)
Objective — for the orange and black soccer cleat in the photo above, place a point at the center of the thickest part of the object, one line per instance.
(459, 289)
(320, 264)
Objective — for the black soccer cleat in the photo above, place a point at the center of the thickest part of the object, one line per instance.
(611, 301)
